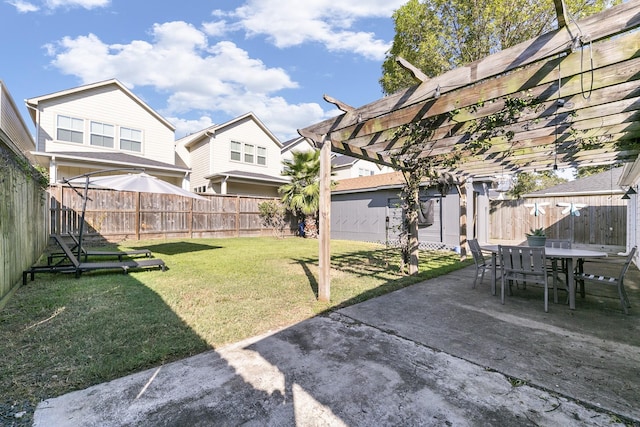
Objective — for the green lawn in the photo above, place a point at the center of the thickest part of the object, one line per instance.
(60, 333)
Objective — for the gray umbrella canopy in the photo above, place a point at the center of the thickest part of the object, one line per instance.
(138, 182)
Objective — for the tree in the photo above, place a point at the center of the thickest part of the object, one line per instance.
(302, 194)
(439, 35)
(534, 181)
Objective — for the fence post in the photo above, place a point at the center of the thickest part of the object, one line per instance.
(238, 216)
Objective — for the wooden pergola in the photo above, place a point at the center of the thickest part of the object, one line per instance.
(584, 77)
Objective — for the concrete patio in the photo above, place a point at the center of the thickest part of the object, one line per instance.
(435, 353)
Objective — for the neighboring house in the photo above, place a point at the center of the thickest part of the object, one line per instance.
(299, 144)
(13, 129)
(102, 126)
(240, 156)
(349, 167)
(369, 208)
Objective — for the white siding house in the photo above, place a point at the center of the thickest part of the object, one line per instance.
(240, 156)
(299, 144)
(12, 125)
(344, 167)
(100, 126)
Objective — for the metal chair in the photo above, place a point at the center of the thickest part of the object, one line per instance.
(553, 263)
(618, 282)
(524, 264)
(482, 265)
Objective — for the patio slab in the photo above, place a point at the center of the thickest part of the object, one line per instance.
(436, 353)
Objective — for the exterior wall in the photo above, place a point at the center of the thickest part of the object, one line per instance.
(106, 104)
(200, 163)
(251, 189)
(363, 216)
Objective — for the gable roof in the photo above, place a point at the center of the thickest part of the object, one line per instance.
(290, 144)
(248, 177)
(196, 137)
(602, 183)
(342, 161)
(32, 103)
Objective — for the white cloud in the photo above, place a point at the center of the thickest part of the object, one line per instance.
(186, 127)
(198, 77)
(24, 6)
(86, 4)
(287, 23)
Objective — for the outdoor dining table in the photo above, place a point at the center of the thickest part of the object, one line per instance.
(559, 253)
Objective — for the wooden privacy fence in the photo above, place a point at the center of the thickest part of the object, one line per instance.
(118, 215)
(602, 221)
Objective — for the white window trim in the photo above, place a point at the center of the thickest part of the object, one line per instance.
(244, 153)
(70, 129)
(120, 139)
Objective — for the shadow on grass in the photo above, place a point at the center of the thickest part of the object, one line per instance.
(312, 279)
(61, 334)
(378, 265)
(174, 248)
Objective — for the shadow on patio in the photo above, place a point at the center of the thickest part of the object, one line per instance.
(434, 353)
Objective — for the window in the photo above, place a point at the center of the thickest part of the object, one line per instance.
(101, 134)
(70, 129)
(364, 172)
(262, 156)
(236, 151)
(248, 153)
(130, 139)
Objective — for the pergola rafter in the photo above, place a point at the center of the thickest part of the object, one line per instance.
(598, 84)
(583, 78)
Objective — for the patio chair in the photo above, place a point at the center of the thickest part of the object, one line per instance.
(86, 253)
(524, 264)
(482, 265)
(618, 282)
(553, 264)
(78, 267)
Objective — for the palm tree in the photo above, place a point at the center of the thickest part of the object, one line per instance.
(302, 194)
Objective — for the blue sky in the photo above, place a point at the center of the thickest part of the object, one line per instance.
(203, 62)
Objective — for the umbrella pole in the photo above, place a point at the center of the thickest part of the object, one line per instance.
(84, 209)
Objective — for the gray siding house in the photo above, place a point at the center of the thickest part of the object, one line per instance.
(369, 209)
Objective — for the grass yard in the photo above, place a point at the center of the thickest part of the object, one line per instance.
(60, 333)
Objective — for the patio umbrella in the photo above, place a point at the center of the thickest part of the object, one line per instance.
(139, 182)
(136, 182)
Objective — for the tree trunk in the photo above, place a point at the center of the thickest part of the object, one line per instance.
(414, 241)
(310, 227)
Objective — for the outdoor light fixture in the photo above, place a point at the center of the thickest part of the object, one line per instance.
(628, 194)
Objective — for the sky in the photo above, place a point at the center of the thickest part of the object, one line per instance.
(198, 62)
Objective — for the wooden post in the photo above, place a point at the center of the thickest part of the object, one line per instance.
(324, 236)
(138, 222)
